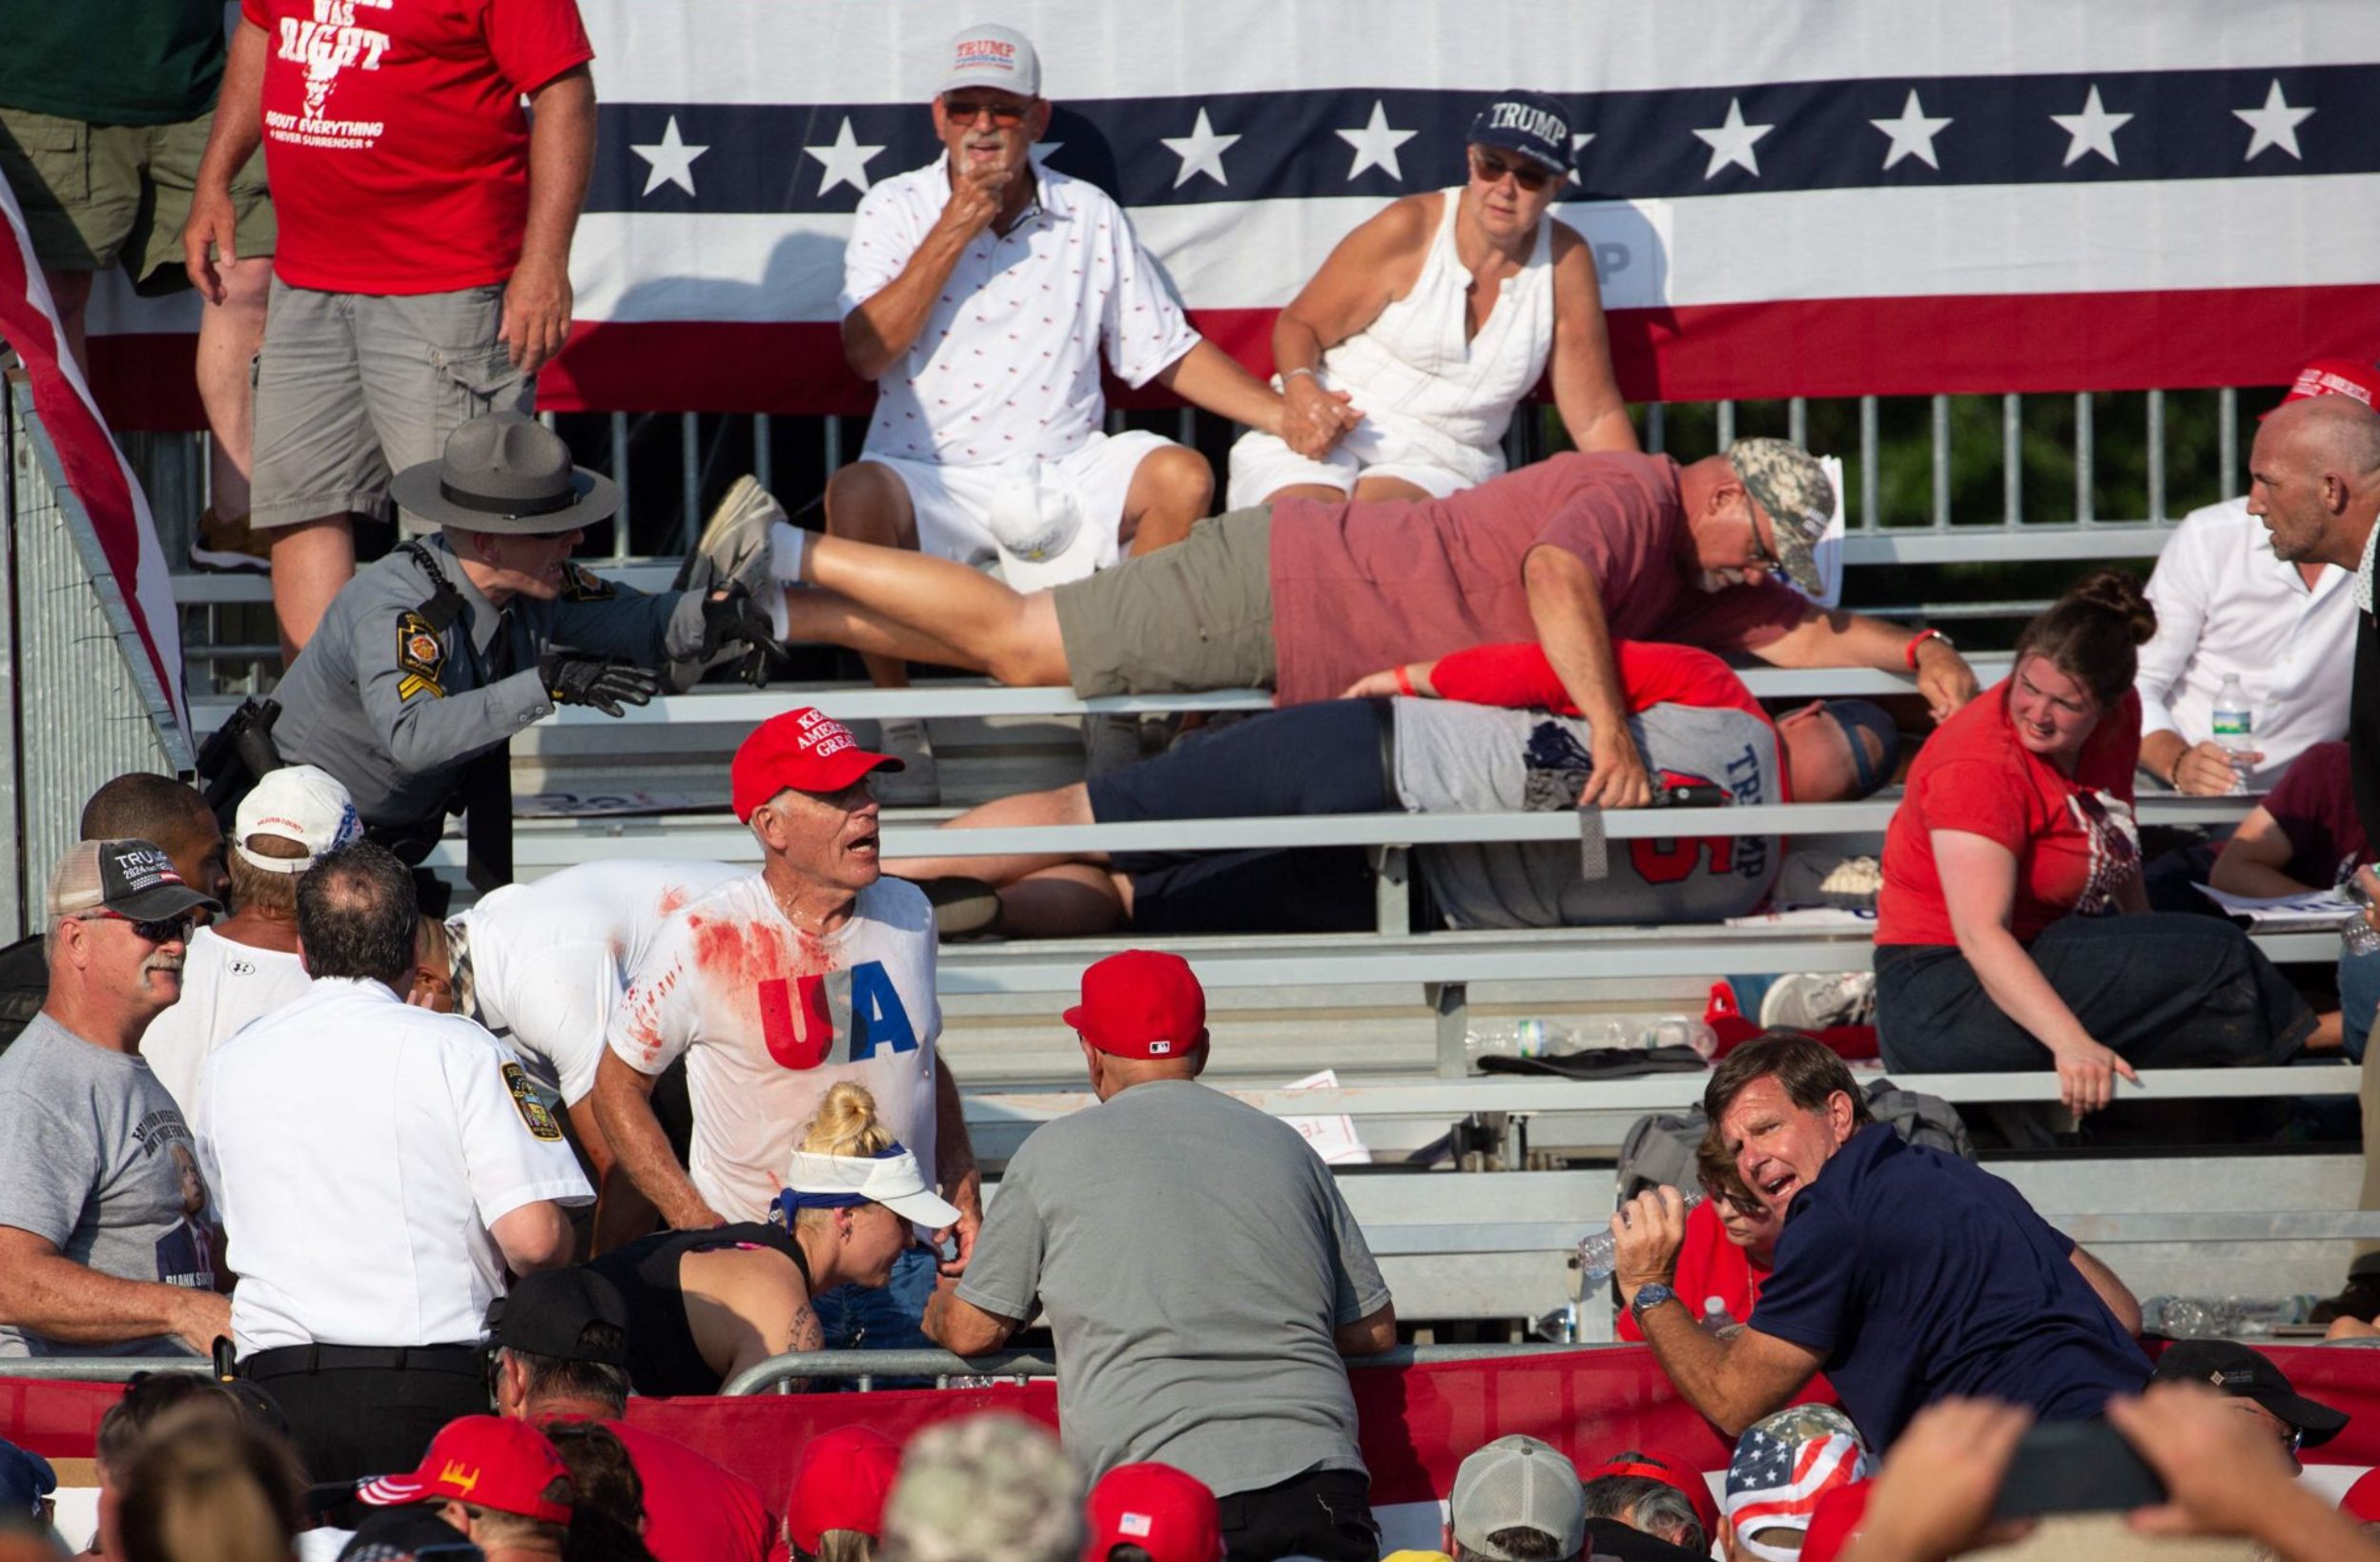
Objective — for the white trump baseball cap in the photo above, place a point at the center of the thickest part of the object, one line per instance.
(991, 56)
(300, 803)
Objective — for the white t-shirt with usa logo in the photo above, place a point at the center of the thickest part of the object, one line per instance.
(769, 1017)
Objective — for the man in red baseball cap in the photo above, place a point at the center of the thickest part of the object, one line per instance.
(839, 1487)
(2230, 604)
(498, 1480)
(1644, 1505)
(1201, 1273)
(1168, 1515)
(776, 986)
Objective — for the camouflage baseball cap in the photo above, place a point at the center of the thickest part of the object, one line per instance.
(1792, 486)
(987, 1488)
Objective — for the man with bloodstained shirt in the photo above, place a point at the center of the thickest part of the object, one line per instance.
(773, 987)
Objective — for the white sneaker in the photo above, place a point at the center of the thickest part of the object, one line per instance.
(917, 784)
(1812, 1000)
(734, 550)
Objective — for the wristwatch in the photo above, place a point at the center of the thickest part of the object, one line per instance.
(1649, 1297)
(1909, 652)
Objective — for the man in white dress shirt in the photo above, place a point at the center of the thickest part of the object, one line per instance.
(977, 293)
(246, 966)
(380, 1167)
(2226, 605)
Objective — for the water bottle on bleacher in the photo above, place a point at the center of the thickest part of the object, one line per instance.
(1598, 1251)
(2357, 933)
(2235, 727)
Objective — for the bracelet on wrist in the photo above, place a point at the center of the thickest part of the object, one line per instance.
(1909, 652)
(1287, 375)
(1405, 680)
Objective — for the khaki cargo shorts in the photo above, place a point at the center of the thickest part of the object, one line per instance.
(1197, 615)
(98, 196)
(354, 386)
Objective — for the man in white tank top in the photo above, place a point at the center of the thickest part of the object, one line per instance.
(1434, 318)
(246, 966)
(773, 987)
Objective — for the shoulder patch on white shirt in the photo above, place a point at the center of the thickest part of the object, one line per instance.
(535, 1113)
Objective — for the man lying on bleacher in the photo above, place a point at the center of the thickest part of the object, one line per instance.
(1480, 731)
(1304, 597)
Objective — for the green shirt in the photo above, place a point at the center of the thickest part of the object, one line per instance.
(163, 61)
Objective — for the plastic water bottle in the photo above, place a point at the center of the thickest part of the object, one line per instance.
(2357, 934)
(1515, 1038)
(1714, 1315)
(2235, 727)
(1598, 1251)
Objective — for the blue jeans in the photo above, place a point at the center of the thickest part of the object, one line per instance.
(855, 1317)
(2359, 995)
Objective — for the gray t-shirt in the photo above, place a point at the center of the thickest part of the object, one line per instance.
(95, 1157)
(1455, 757)
(1195, 1260)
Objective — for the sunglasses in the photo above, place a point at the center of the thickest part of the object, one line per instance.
(1003, 113)
(167, 931)
(1762, 554)
(1527, 175)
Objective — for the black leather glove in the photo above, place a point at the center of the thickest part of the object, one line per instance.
(573, 678)
(732, 618)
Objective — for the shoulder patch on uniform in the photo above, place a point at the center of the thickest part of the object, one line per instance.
(580, 583)
(421, 657)
(535, 1113)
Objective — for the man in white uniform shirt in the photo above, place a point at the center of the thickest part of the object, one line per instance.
(543, 966)
(777, 985)
(2225, 605)
(246, 966)
(380, 1167)
(977, 293)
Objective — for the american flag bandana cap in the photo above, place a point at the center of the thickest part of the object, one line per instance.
(1784, 1464)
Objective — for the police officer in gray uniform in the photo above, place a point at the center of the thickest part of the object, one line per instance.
(435, 656)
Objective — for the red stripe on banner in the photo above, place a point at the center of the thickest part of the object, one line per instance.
(2061, 341)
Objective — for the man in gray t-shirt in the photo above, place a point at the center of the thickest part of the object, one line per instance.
(1200, 1274)
(108, 1244)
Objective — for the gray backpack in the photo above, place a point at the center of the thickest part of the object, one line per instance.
(1660, 1148)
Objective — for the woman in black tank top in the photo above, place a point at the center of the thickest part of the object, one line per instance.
(702, 1305)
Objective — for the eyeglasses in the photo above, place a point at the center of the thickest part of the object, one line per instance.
(1762, 554)
(1004, 112)
(1527, 175)
(170, 930)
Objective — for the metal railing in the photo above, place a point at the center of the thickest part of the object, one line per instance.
(776, 1375)
(80, 702)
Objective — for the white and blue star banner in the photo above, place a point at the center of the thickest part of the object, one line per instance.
(1896, 196)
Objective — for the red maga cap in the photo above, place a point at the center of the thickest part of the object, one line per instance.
(485, 1460)
(1141, 1005)
(1671, 1469)
(841, 1484)
(1166, 1512)
(805, 748)
(2332, 377)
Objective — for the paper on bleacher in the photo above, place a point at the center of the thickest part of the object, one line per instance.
(1816, 918)
(1332, 1138)
(2316, 909)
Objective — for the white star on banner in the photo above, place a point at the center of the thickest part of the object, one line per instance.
(2275, 124)
(845, 160)
(672, 160)
(2093, 129)
(1913, 133)
(1376, 144)
(1732, 142)
(1201, 152)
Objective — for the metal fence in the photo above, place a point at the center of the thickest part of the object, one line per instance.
(79, 700)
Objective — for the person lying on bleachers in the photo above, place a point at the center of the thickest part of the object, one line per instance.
(2303, 838)
(1575, 552)
(1499, 734)
(2013, 922)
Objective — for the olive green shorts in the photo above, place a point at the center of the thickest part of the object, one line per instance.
(1197, 615)
(99, 196)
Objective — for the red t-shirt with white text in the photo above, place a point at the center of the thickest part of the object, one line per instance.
(2072, 837)
(395, 139)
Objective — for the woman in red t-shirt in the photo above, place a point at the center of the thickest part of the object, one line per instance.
(2013, 919)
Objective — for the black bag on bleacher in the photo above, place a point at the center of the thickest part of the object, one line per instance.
(1660, 1148)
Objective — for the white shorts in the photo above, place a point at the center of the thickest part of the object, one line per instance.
(1262, 465)
(951, 502)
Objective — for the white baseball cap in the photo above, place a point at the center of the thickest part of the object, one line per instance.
(892, 1179)
(1042, 528)
(992, 56)
(300, 803)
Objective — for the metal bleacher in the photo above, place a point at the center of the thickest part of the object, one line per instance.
(1388, 1011)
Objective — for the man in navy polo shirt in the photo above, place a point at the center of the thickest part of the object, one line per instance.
(1904, 1274)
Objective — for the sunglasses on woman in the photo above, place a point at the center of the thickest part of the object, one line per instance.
(1527, 173)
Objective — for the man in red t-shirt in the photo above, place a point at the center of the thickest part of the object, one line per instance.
(561, 1339)
(1573, 552)
(423, 273)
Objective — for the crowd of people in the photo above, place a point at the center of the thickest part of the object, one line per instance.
(436, 1194)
